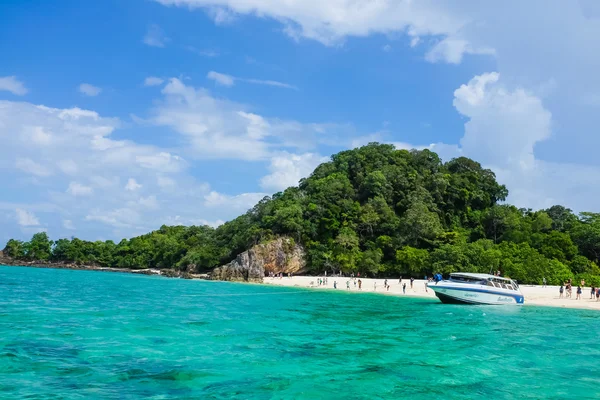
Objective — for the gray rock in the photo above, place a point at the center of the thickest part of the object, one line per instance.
(279, 255)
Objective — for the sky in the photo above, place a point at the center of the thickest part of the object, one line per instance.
(117, 117)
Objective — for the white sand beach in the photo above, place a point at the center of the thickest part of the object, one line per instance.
(534, 295)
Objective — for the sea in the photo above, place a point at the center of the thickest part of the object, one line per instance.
(97, 335)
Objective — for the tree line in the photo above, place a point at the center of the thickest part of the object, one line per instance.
(374, 210)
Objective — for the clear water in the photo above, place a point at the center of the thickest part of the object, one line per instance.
(78, 334)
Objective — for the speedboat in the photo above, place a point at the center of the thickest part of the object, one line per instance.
(467, 288)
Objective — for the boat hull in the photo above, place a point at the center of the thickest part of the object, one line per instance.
(470, 295)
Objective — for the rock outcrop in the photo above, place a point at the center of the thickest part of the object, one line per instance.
(280, 255)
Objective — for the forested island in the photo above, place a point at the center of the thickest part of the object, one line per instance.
(374, 210)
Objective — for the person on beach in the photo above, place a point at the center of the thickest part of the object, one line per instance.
(578, 293)
(426, 287)
(385, 285)
(375, 286)
(359, 284)
(400, 280)
(335, 284)
(597, 294)
(411, 282)
(560, 291)
(355, 284)
(544, 282)
(593, 292)
(404, 288)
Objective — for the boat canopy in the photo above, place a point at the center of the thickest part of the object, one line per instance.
(477, 277)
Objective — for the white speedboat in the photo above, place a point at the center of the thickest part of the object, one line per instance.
(467, 288)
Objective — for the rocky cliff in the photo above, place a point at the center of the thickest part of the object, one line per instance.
(280, 255)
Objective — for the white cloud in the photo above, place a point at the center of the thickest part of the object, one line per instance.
(68, 224)
(26, 218)
(221, 79)
(77, 189)
(239, 203)
(118, 218)
(330, 21)
(31, 167)
(270, 83)
(153, 81)
(13, 85)
(89, 89)
(503, 128)
(528, 41)
(163, 161)
(452, 50)
(228, 80)
(287, 170)
(155, 37)
(217, 128)
(503, 125)
(132, 185)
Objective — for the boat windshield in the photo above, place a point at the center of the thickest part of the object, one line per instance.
(496, 282)
(468, 279)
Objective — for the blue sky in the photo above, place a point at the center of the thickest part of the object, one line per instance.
(118, 117)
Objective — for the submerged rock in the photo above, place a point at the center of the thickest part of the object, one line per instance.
(280, 255)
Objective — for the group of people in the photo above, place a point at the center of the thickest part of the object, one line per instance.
(566, 290)
(279, 275)
(357, 282)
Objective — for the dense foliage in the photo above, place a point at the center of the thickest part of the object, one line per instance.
(376, 210)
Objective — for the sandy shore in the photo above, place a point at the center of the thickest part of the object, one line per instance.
(534, 295)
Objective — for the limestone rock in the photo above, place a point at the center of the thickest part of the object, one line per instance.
(280, 255)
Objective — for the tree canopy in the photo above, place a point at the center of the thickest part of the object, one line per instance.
(376, 210)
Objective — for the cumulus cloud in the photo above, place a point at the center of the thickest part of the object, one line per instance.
(153, 81)
(155, 37)
(89, 89)
(239, 203)
(218, 128)
(287, 170)
(330, 21)
(504, 126)
(26, 218)
(132, 185)
(13, 85)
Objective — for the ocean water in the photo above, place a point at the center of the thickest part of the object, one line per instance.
(87, 335)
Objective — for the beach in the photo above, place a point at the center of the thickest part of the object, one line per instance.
(534, 295)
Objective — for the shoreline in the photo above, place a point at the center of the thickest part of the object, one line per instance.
(534, 295)
(165, 273)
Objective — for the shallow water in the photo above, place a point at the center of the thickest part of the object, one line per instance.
(81, 334)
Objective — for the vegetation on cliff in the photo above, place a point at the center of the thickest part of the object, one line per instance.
(376, 210)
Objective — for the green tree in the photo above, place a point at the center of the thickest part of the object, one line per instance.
(412, 261)
(40, 247)
(15, 249)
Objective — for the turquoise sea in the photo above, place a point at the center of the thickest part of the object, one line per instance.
(87, 335)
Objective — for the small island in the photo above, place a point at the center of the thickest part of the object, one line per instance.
(374, 210)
